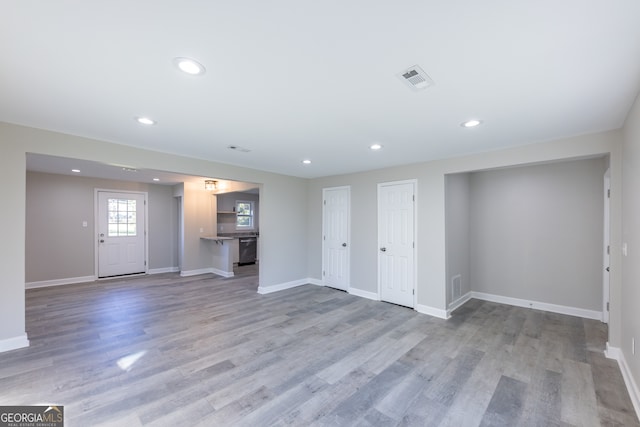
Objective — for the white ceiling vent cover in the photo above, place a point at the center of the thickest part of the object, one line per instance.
(416, 78)
(238, 148)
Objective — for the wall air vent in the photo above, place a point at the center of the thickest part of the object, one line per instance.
(416, 78)
(238, 148)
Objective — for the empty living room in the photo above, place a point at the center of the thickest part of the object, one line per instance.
(331, 214)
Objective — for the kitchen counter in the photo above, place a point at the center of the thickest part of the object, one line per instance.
(217, 239)
(240, 234)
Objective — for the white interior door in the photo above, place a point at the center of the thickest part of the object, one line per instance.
(396, 242)
(335, 244)
(121, 233)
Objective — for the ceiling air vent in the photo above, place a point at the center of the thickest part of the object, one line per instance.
(416, 78)
(238, 148)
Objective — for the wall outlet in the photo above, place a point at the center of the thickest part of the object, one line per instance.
(201, 230)
(84, 224)
(624, 249)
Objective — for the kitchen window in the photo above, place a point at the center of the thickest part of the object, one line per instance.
(244, 215)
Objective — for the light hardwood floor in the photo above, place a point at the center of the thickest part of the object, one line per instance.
(165, 351)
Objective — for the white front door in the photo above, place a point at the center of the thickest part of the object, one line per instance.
(335, 244)
(121, 233)
(396, 242)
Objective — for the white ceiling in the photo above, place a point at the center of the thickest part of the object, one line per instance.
(296, 79)
(65, 166)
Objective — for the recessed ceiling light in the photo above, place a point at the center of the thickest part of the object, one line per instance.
(375, 147)
(156, 179)
(471, 123)
(145, 121)
(75, 170)
(189, 66)
(306, 161)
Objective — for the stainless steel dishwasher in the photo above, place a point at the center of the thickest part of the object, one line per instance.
(248, 248)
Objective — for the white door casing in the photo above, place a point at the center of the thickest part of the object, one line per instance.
(335, 237)
(606, 249)
(121, 233)
(396, 242)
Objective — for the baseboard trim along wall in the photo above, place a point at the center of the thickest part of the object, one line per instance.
(634, 393)
(14, 343)
(263, 290)
(458, 303)
(363, 294)
(189, 273)
(164, 270)
(432, 311)
(222, 272)
(59, 282)
(553, 308)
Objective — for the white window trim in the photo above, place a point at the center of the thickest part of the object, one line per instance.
(253, 216)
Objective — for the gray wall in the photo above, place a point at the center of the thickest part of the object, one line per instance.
(630, 290)
(227, 202)
(56, 206)
(537, 232)
(457, 222)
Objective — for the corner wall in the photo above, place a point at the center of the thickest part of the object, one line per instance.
(457, 223)
(630, 289)
(536, 234)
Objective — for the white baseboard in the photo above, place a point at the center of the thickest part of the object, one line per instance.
(59, 282)
(163, 270)
(364, 294)
(553, 308)
(283, 286)
(315, 282)
(222, 272)
(432, 311)
(189, 273)
(14, 343)
(458, 303)
(634, 393)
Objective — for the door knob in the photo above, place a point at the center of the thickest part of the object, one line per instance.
(607, 268)
(344, 245)
(101, 241)
(383, 249)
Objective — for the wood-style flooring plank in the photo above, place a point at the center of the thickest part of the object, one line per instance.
(166, 350)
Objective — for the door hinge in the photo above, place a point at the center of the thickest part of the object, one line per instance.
(414, 245)
(608, 249)
(608, 192)
(324, 202)
(414, 291)
(145, 263)
(323, 273)
(607, 306)
(414, 197)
